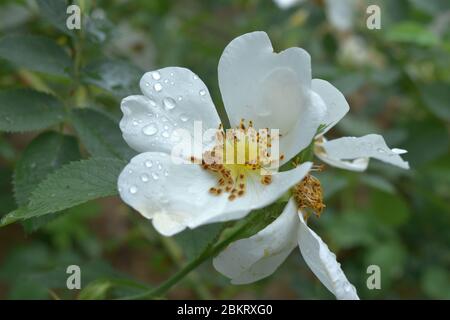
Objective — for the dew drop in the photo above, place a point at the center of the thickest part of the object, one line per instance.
(184, 117)
(149, 130)
(149, 163)
(155, 176)
(135, 123)
(133, 190)
(156, 75)
(144, 177)
(166, 173)
(195, 77)
(180, 98)
(202, 92)
(157, 87)
(169, 103)
(165, 134)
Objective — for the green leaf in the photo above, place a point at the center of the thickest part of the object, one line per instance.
(436, 97)
(427, 140)
(54, 11)
(390, 209)
(100, 134)
(35, 53)
(71, 185)
(28, 110)
(412, 33)
(46, 153)
(194, 242)
(96, 290)
(116, 76)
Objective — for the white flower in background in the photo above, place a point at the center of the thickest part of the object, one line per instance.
(340, 13)
(273, 90)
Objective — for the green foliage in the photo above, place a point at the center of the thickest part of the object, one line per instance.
(437, 97)
(54, 12)
(100, 134)
(73, 184)
(194, 242)
(116, 76)
(36, 53)
(46, 153)
(28, 110)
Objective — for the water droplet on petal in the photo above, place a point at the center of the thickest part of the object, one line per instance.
(195, 77)
(169, 103)
(165, 134)
(149, 163)
(157, 87)
(202, 92)
(156, 75)
(133, 189)
(155, 176)
(184, 117)
(144, 177)
(166, 173)
(149, 130)
(135, 123)
(180, 98)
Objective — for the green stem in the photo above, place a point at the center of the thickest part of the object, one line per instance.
(177, 277)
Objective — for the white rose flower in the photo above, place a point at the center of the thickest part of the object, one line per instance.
(273, 90)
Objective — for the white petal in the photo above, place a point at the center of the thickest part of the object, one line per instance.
(173, 195)
(368, 146)
(173, 99)
(259, 196)
(341, 13)
(336, 105)
(358, 164)
(303, 132)
(272, 89)
(323, 264)
(176, 195)
(254, 258)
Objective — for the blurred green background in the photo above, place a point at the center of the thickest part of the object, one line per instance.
(397, 82)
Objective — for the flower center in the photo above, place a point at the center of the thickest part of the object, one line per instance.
(308, 196)
(238, 154)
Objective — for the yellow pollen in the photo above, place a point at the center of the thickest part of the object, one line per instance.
(237, 154)
(308, 196)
